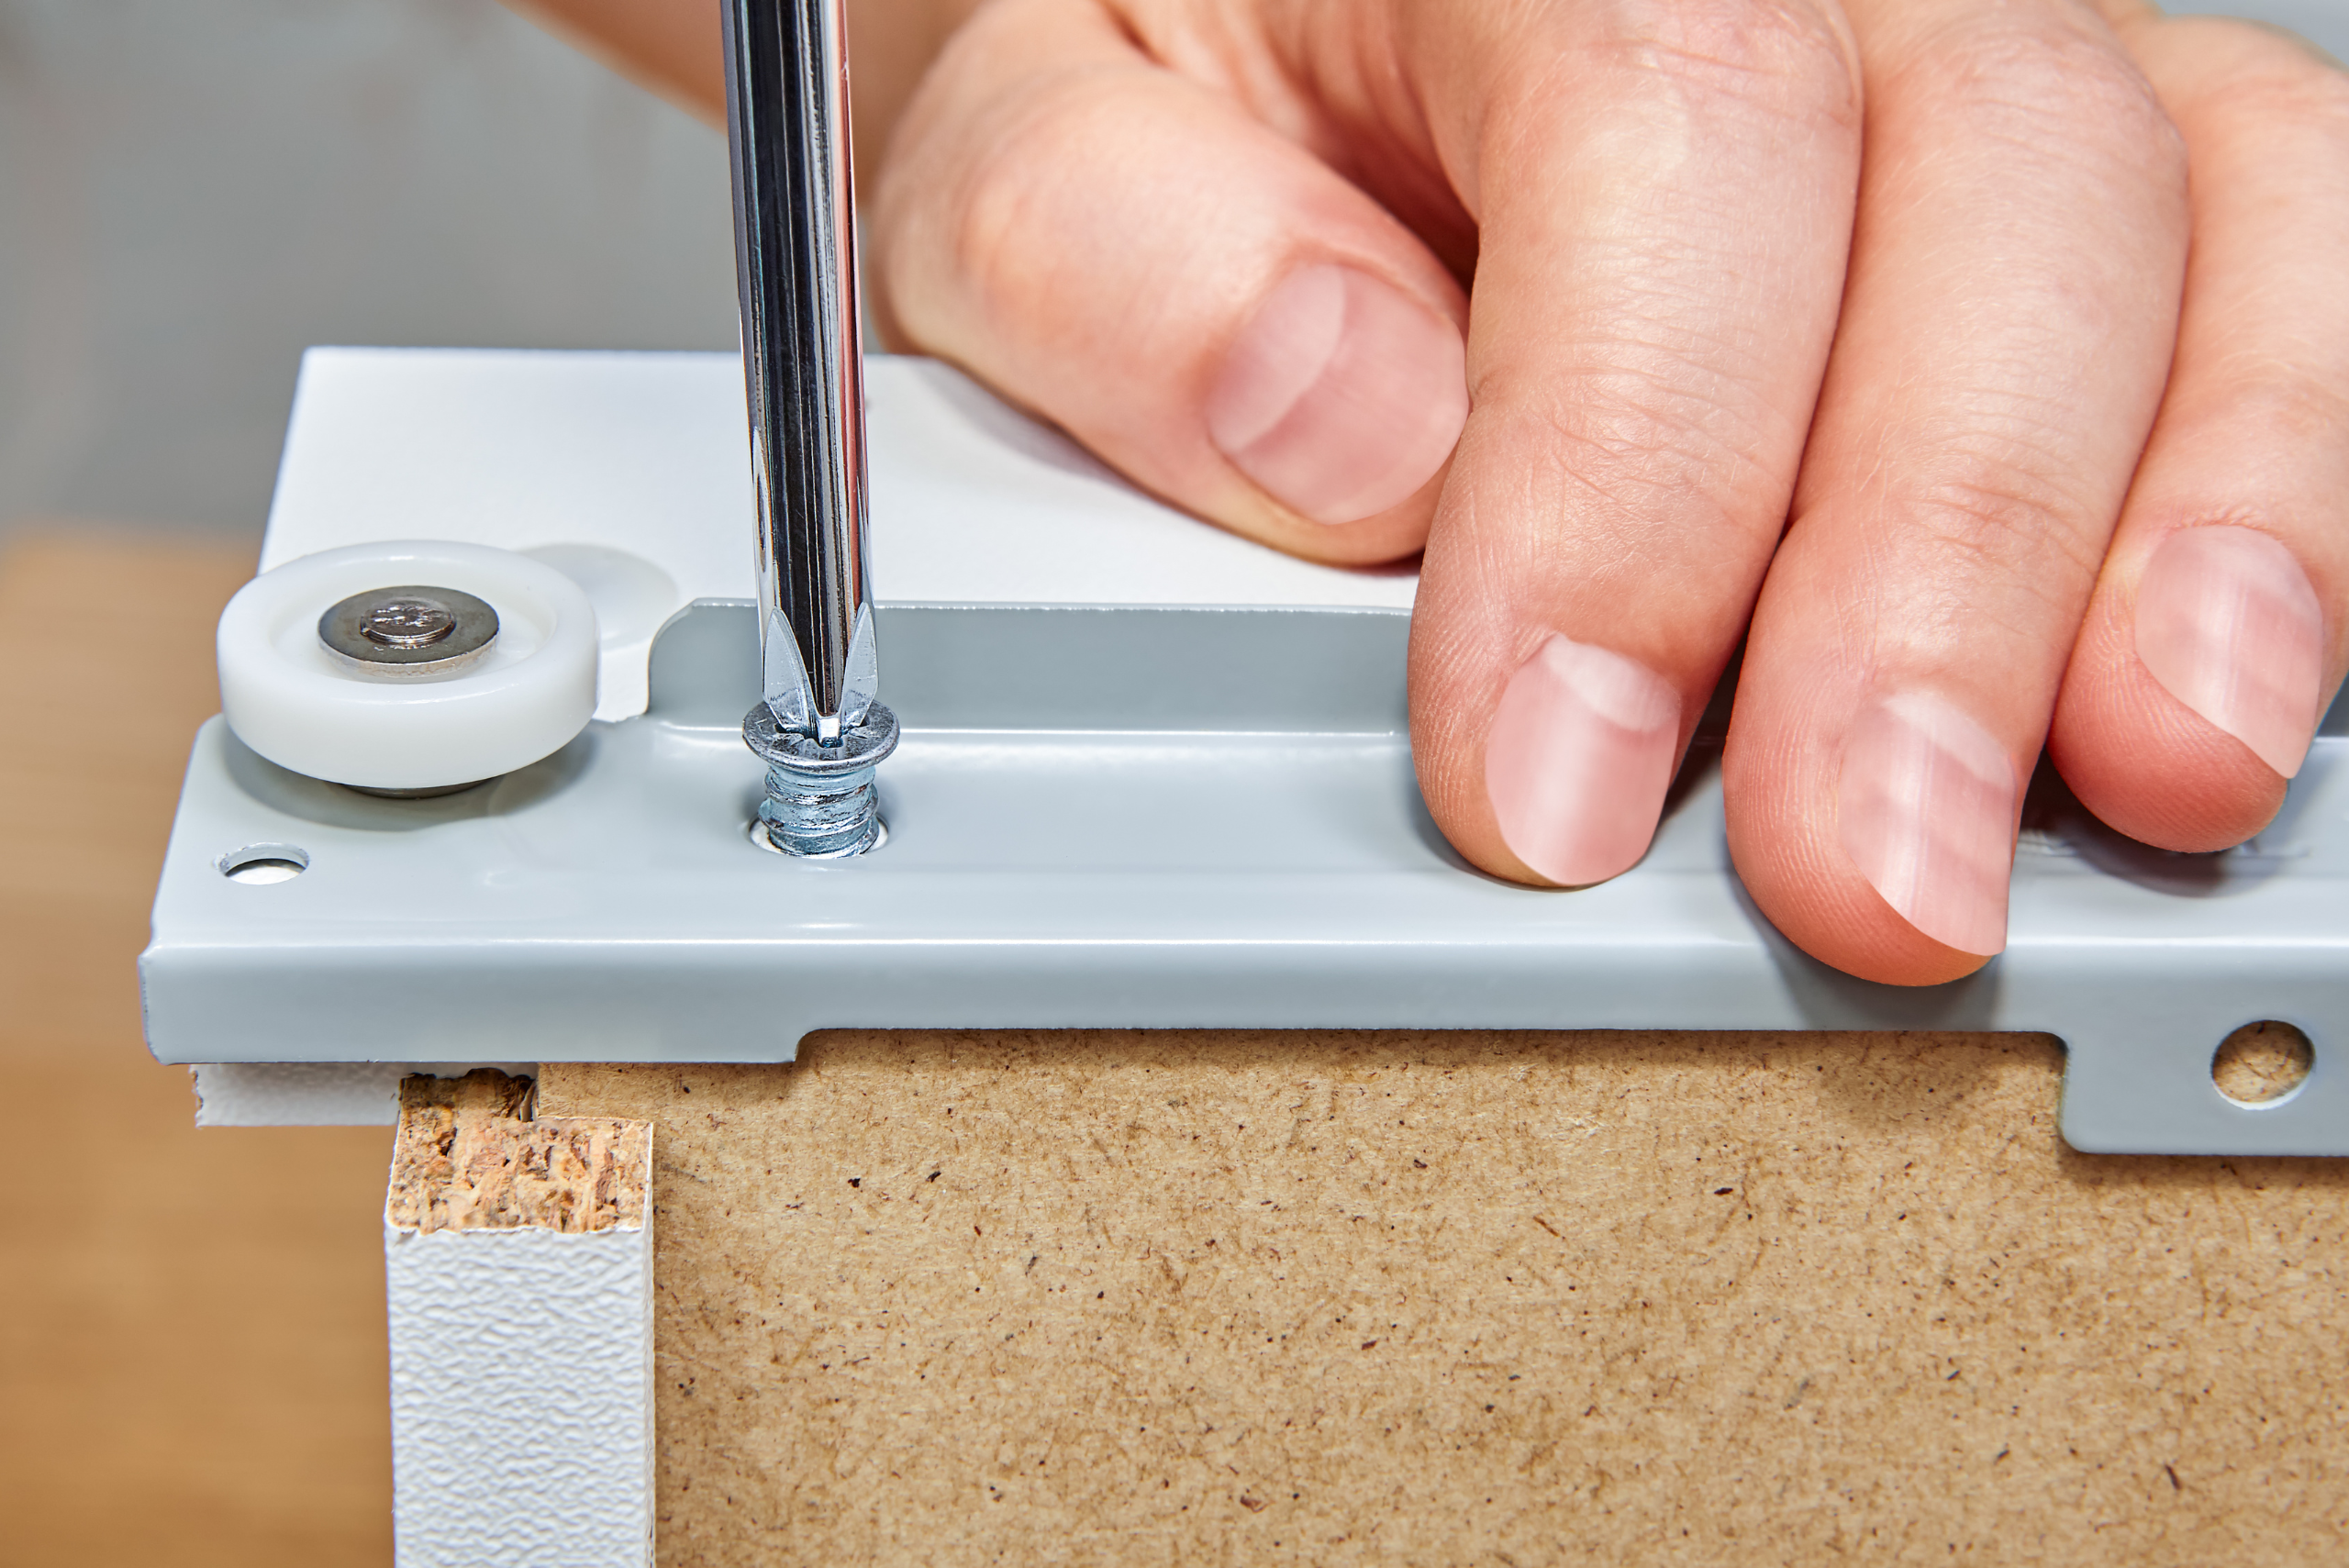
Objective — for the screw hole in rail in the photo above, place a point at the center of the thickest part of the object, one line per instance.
(2262, 1064)
(756, 832)
(257, 865)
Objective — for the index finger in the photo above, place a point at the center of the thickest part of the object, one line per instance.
(1665, 194)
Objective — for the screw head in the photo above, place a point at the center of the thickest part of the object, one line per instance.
(406, 623)
(820, 802)
(410, 630)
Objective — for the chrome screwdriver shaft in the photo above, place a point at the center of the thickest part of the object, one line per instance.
(818, 724)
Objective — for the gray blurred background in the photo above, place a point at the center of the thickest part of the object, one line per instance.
(192, 190)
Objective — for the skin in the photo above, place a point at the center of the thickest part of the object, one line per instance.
(1902, 332)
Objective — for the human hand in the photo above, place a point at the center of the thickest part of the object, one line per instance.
(2032, 315)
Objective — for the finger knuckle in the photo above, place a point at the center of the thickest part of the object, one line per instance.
(2271, 78)
(2042, 85)
(1652, 446)
(2290, 407)
(1785, 59)
(1017, 179)
(1994, 514)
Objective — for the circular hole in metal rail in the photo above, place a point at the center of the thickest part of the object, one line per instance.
(755, 830)
(2262, 1064)
(259, 865)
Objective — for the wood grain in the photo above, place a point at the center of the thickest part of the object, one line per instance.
(192, 1359)
(1258, 1298)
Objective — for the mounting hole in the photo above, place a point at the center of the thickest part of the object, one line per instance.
(259, 865)
(2262, 1062)
(756, 832)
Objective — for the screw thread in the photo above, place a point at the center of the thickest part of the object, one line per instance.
(821, 803)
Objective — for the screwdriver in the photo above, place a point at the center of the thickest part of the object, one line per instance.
(818, 724)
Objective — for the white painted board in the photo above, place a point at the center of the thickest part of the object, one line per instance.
(521, 1397)
(316, 1093)
(631, 471)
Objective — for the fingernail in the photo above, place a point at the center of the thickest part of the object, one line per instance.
(1926, 810)
(2229, 623)
(1341, 396)
(1579, 759)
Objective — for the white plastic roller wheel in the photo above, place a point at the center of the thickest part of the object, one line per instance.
(305, 708)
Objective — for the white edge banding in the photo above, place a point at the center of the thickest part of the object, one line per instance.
(518, 1277)
(316, 1093)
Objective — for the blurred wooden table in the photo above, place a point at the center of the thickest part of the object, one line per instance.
(192, 1361)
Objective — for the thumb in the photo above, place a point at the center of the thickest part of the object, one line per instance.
(1201, 302)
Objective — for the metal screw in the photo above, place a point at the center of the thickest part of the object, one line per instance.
(406, 623)
(409, 631)
(821, 801)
